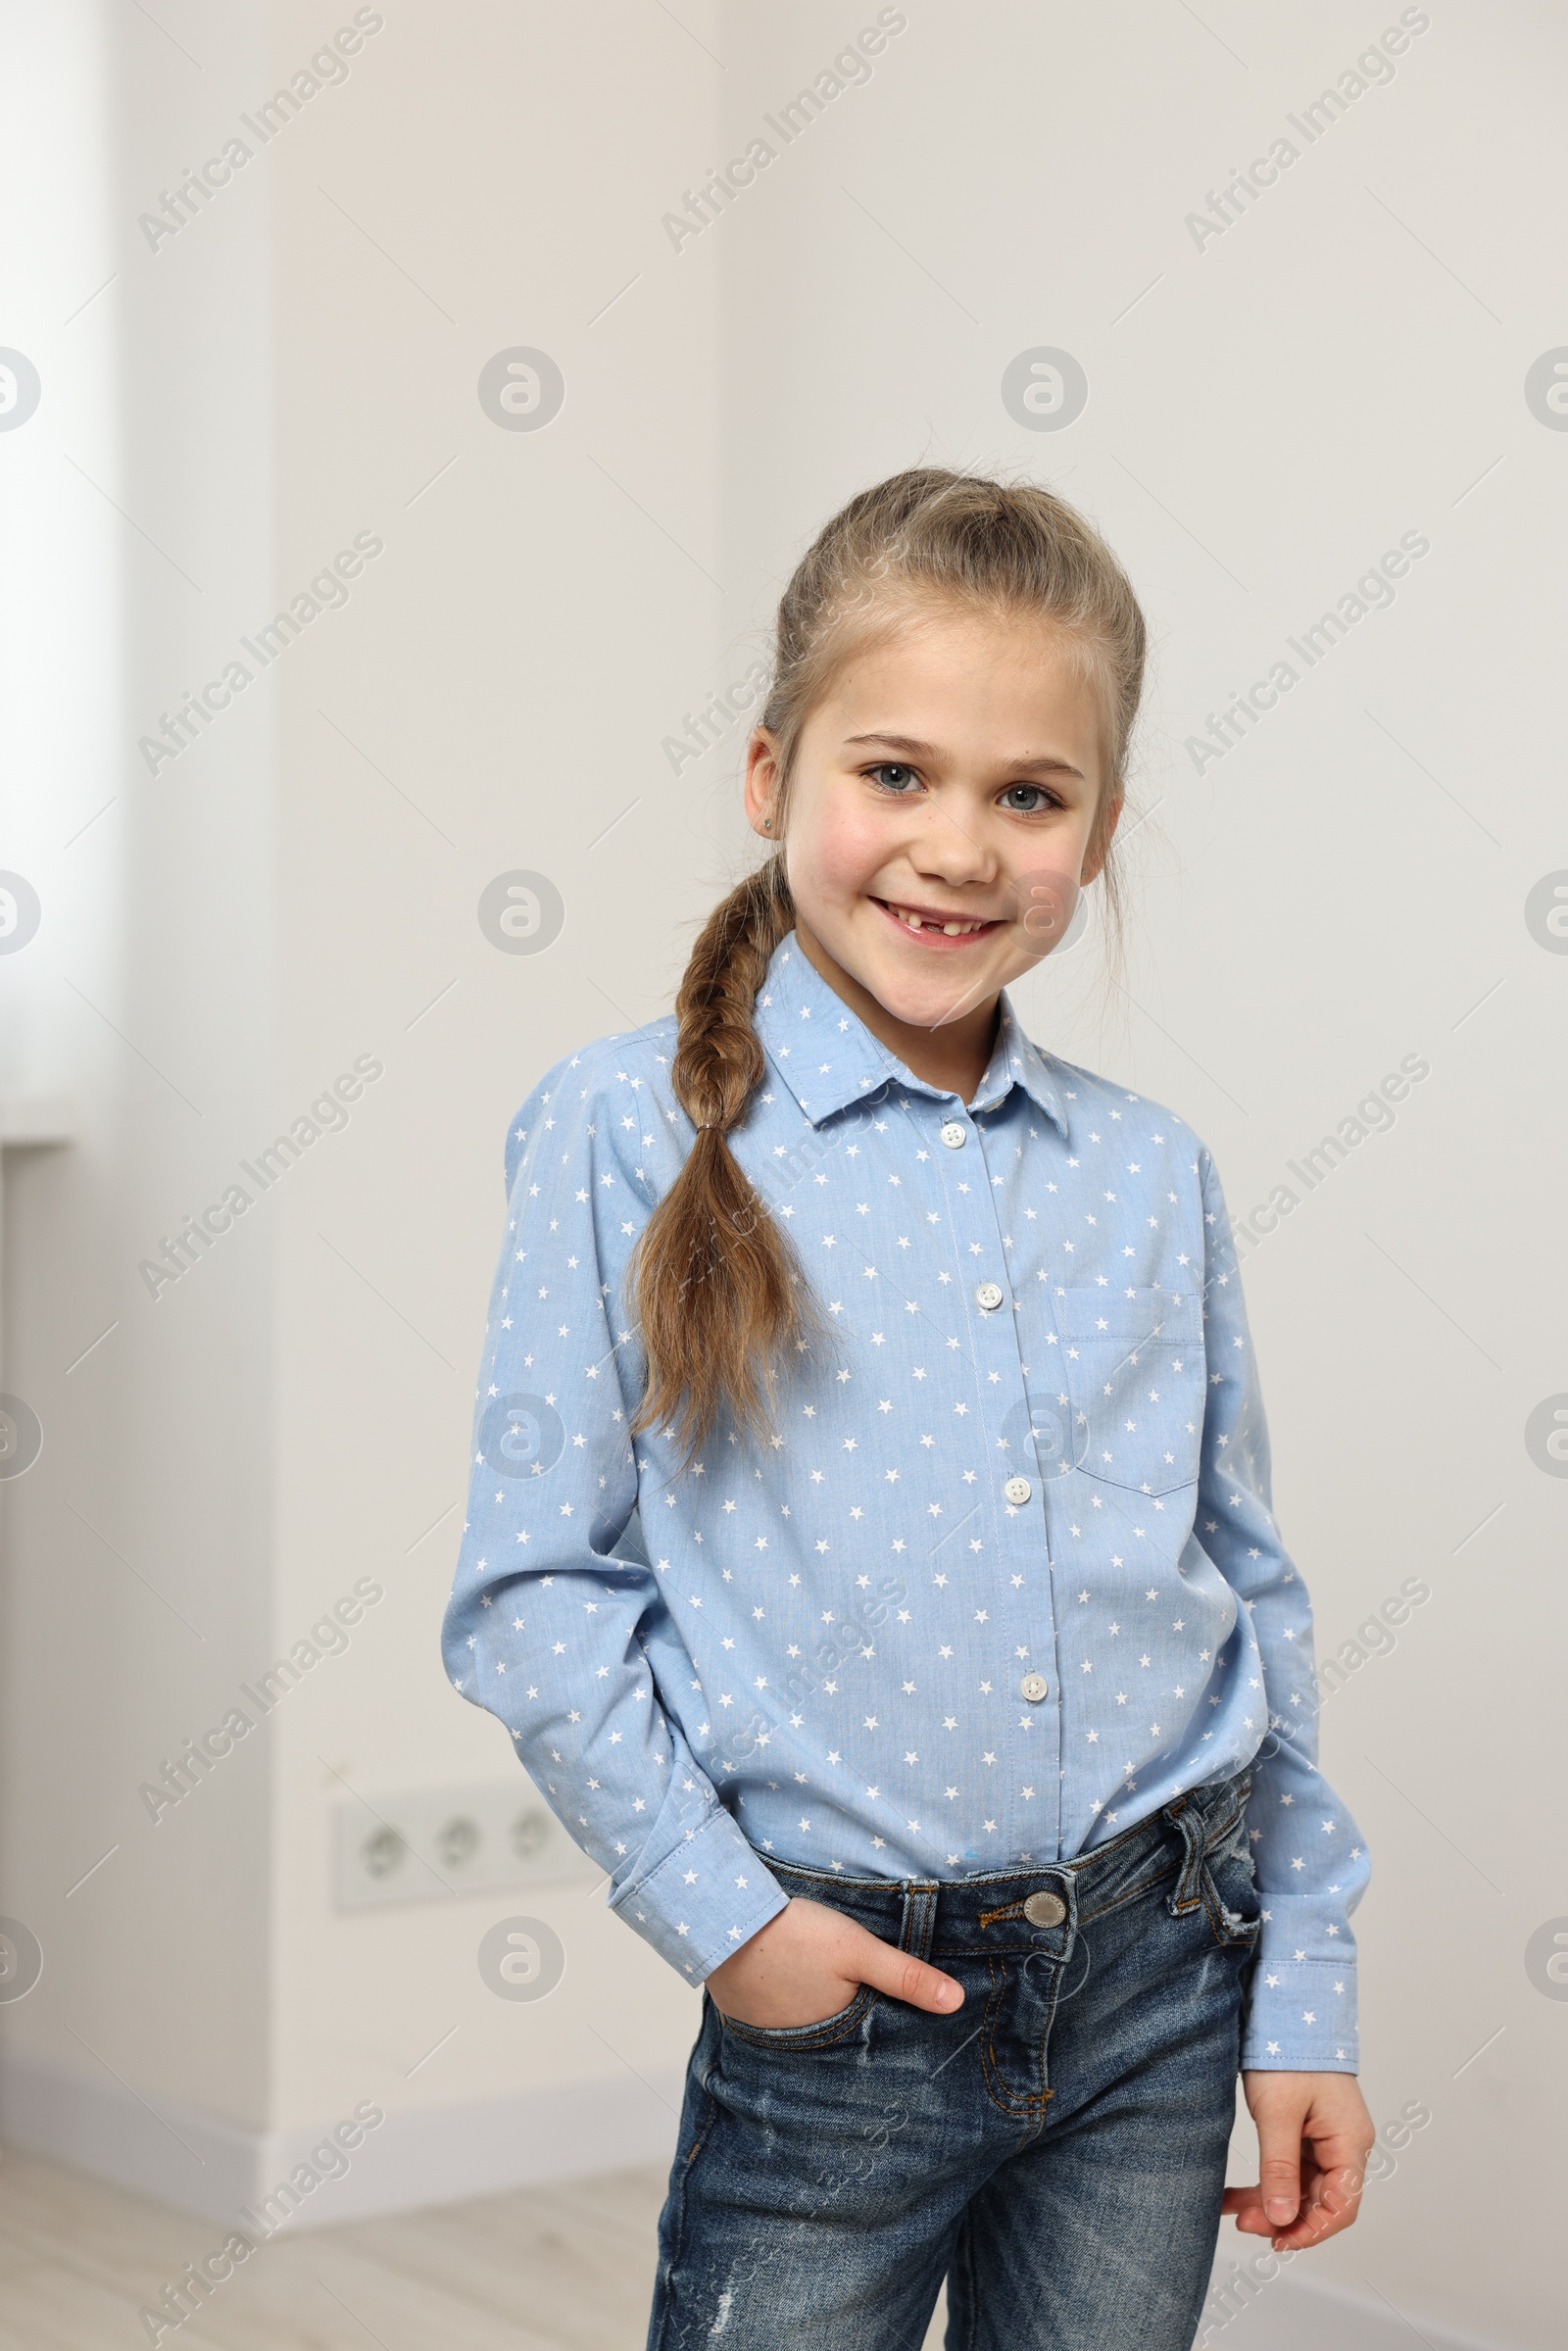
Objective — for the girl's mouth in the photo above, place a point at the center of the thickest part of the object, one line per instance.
(933, 927)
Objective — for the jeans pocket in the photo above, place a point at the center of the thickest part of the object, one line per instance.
(1230, 1890)
(821, 2034)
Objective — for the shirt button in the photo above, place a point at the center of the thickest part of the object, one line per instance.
(1018, 1490)
(1034, 1688)
(1045, 1910)
(989, 1295)
(953, 1136)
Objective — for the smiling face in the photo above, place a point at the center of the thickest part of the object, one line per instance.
(937, 826)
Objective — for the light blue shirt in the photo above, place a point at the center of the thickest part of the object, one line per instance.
(1005, 1578)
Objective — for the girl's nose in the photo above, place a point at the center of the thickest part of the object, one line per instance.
(948, 851)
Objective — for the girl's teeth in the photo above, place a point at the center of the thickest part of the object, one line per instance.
(920, 922)
(949, 930)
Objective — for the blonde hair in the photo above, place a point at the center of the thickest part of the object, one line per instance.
(718, 1291)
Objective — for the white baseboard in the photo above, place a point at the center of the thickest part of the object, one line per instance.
(194, 2160)
(429, 2155)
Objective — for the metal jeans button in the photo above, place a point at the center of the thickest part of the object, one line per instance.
(1045, 1910)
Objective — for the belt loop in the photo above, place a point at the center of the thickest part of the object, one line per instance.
(917, 1927)
(1188, 1893)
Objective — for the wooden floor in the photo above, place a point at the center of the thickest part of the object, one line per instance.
(560, 2269)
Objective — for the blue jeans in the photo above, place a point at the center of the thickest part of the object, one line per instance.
(1056, 2150)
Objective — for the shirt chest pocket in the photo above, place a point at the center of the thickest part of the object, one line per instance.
(1136, 1376)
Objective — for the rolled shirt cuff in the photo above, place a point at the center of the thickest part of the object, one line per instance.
(1301, 2016)
(703, 1901)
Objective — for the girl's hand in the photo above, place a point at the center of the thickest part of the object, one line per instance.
(810, 1961)
(1313, 2138)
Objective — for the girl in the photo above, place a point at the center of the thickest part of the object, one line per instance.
(869, 1544)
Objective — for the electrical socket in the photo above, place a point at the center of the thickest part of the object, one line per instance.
(432, 1842)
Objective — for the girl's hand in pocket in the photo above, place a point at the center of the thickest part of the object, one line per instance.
(810, 1961)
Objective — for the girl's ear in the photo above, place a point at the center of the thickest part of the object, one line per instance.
(761, 783)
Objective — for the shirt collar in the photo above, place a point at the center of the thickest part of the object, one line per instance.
(828, 1058)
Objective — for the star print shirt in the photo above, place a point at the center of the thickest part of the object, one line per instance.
(1004, 1577)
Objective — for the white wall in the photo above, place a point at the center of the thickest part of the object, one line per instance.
(139, 1547)
(1343, 889)
(507, 663)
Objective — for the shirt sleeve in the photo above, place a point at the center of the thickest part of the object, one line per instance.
(1309, 1855)
(556, 1608)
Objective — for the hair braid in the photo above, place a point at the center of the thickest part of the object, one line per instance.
(718, 1291)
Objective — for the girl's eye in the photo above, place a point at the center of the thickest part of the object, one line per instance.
(1026, 800)
(893, 775)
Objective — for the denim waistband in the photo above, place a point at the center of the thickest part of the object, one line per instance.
(954, 1917)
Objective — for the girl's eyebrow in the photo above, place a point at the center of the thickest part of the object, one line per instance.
(1045, 759)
